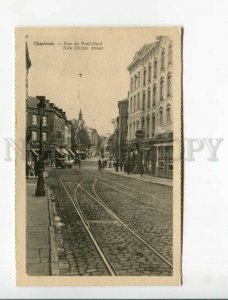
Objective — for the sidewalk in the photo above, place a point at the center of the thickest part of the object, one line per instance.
(147, 178)
(38, 250)
(35, 177)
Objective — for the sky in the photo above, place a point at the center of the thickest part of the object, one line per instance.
(105, 80)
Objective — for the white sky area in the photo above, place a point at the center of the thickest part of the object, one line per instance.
(105, 81)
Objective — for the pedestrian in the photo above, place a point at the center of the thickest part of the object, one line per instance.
(32, 168)
(117, 166)
(114, 164)
(103, 164)
(29, 168)
(128, 167)
(99, 164)
(79, 163)
(141, 170)
(121, 166)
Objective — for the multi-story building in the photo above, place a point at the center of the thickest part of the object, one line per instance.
(122, 129)
(150, 108)
(94, 140)
(56, 132)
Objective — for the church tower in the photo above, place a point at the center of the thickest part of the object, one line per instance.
(80, 119)
(80, 115)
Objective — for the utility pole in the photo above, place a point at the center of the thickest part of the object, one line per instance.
(79, 121)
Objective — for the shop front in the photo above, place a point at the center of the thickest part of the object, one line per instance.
(164, 160)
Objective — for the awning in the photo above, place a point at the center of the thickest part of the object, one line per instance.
(59, 151)
(164, 144)
(33, 150)
(77, 151)
(71, 152)
(64, 151)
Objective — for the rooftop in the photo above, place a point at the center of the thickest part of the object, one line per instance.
(33, 101)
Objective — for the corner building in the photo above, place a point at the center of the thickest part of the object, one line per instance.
(150, 108)
(56, 132)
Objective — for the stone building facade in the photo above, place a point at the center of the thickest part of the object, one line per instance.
(150, 108)
(56, 132)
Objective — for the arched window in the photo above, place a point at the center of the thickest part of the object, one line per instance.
(154, 94)
(131, 87)
(143, 124)
(134, 103)
(138, 100)
(149, 73)
(135, 82)
(155, 68)
(170, 49)
(153, 125)
(162, 87)
(138, 77)
(163, 59)
(169, 84)
(144, 101)
(144, 76)
(34, 136)
(161, 116)
(147, 126)
(168, 117)
(137, 125)
(34, 120)
(148, 98)
(44, 136)
(45, 121)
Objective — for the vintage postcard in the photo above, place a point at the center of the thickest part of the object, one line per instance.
(98, 180)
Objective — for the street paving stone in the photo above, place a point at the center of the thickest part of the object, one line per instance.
(128, 255)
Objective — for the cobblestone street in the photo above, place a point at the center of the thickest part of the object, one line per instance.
(110, 225)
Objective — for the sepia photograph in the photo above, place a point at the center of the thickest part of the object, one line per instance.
(99, 179)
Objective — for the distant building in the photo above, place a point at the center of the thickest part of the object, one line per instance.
(56, 132)
(79, 125)
(122, 129)
(150, 107)
(94, 137)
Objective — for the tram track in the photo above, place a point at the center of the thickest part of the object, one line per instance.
(103, 181)
(97, 199)
(103, 256)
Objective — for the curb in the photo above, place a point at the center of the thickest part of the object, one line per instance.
(138, 178)
(54, 261)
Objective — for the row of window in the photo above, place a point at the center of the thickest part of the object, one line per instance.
(45, 136)
(146, 122)
(35, 120)
(134, 103)
(57, 123)
(35, 136)
(147, 72)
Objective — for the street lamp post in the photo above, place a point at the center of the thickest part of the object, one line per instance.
(40, 191)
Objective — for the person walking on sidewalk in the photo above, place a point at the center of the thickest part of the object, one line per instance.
(121, 166)
(127, 167)
(117, 166)
(99, 164)
(141, 170)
